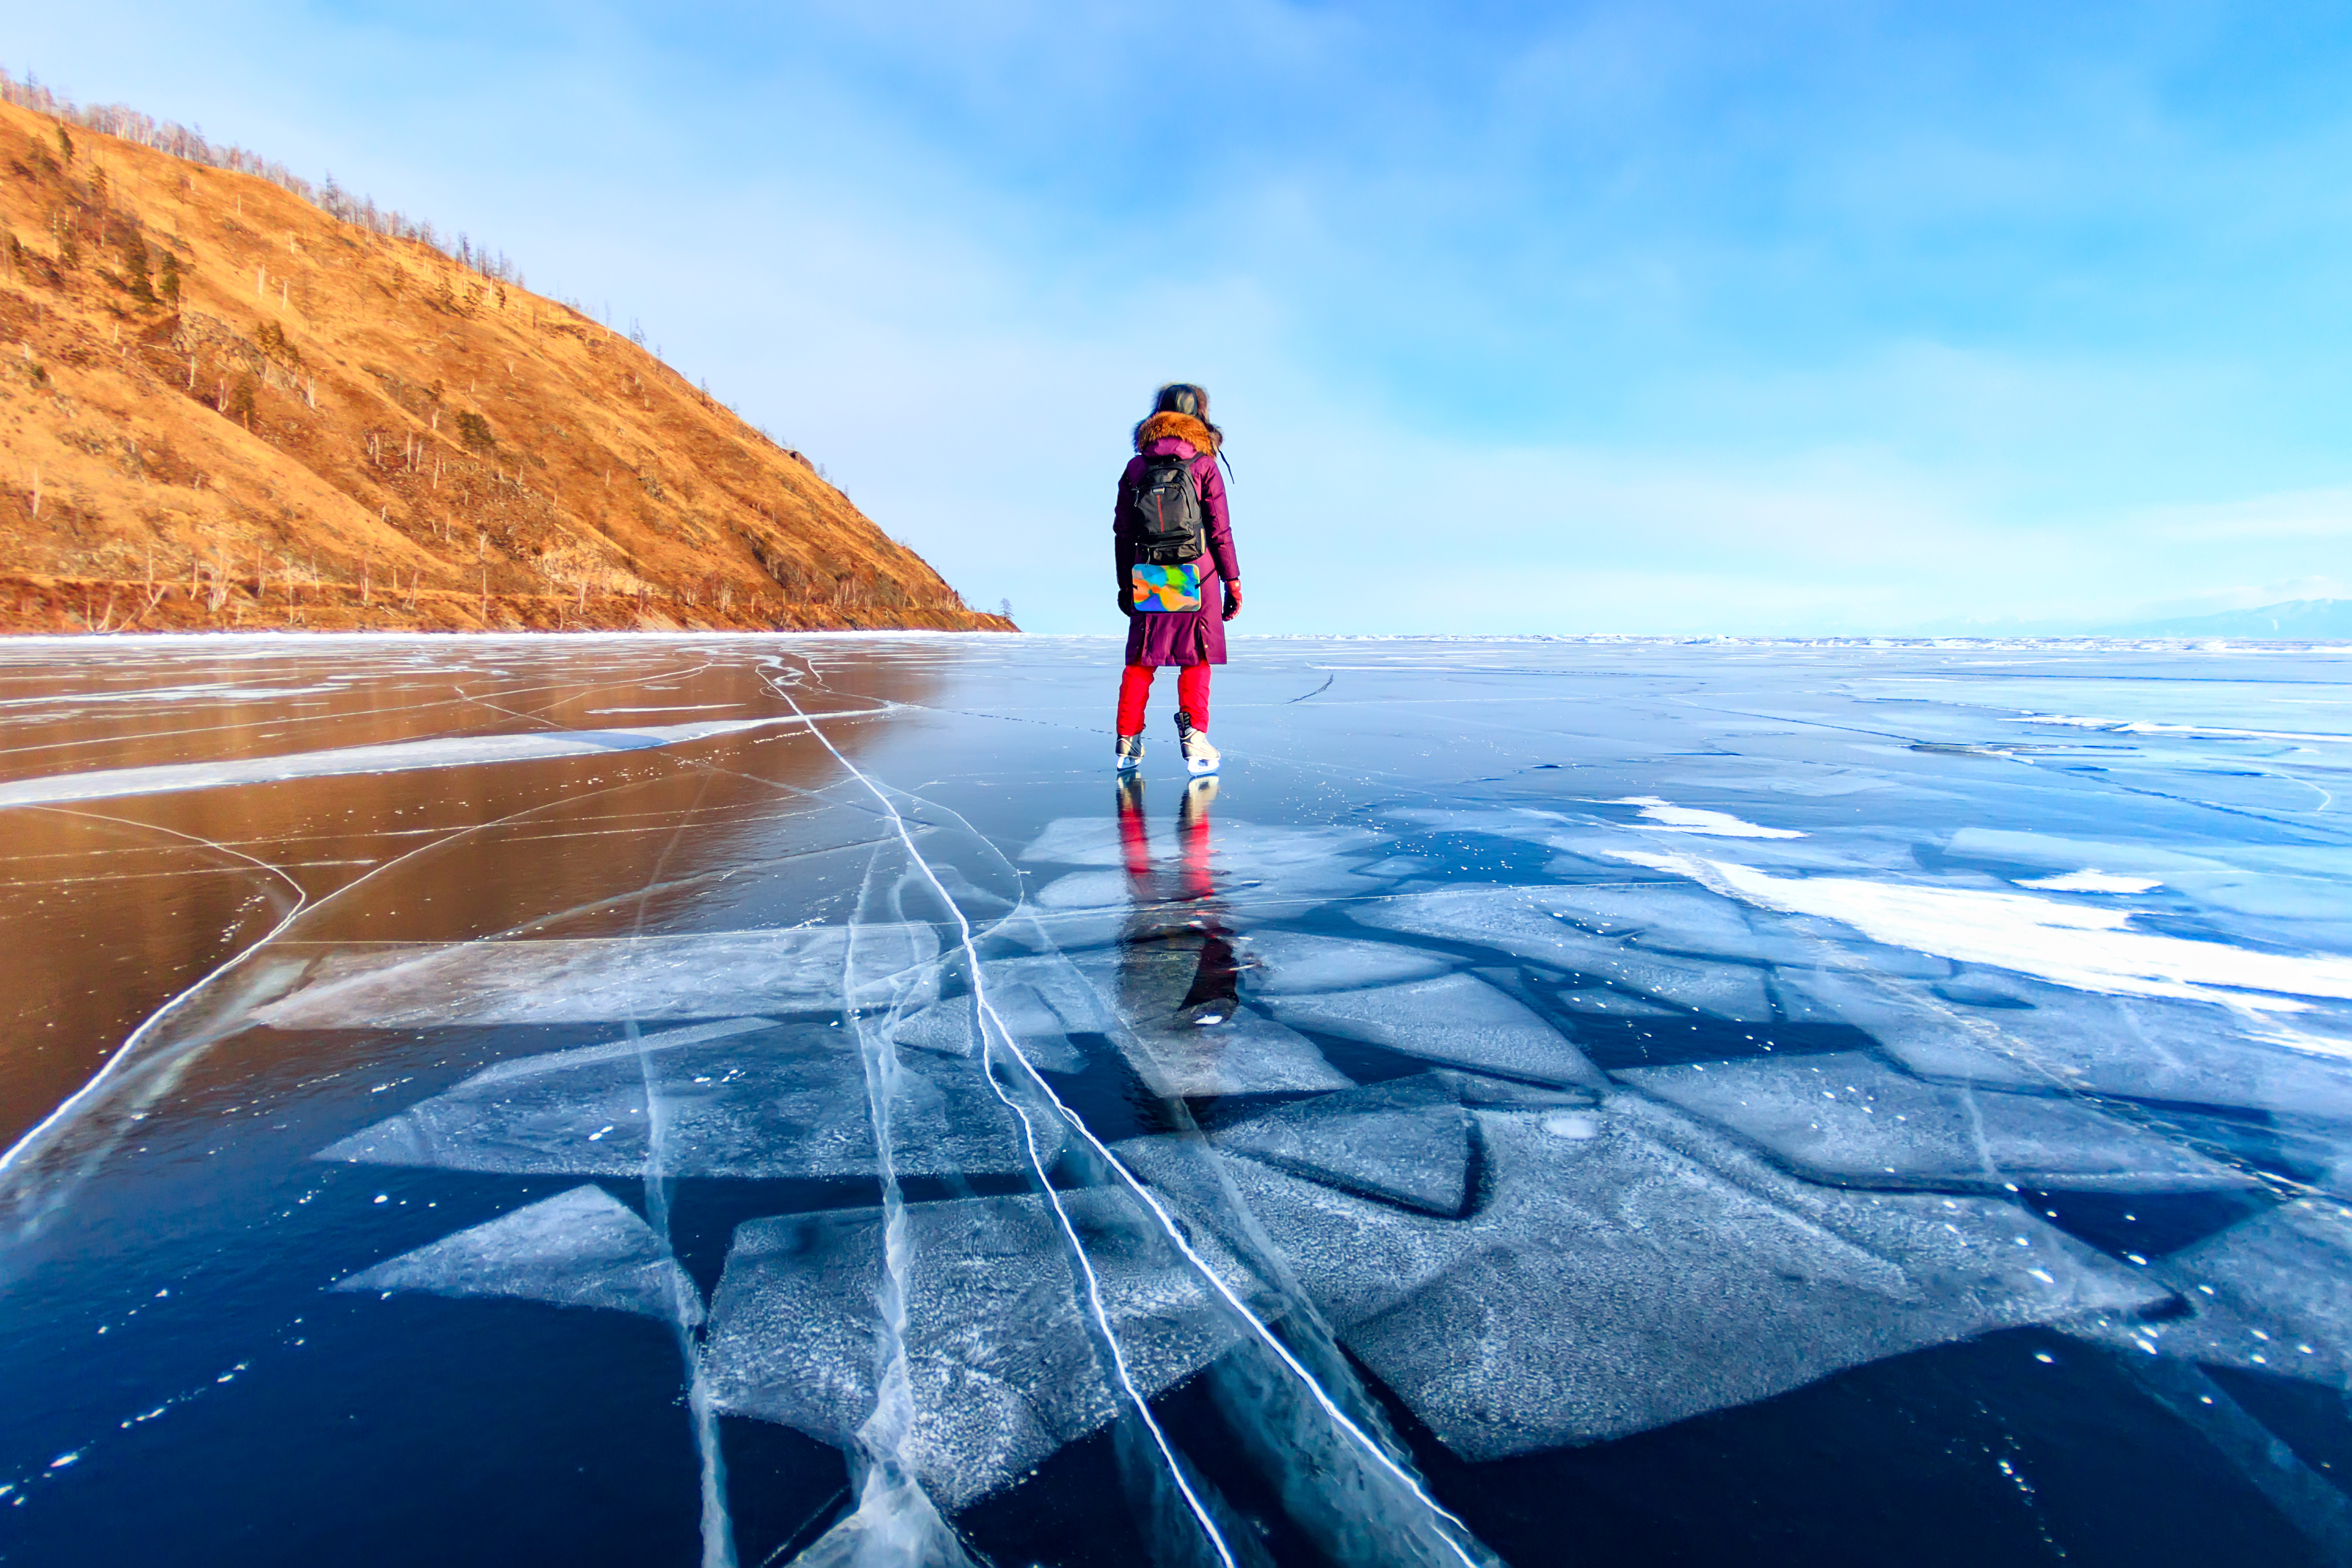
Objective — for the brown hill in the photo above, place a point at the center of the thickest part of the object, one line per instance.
(222, 406)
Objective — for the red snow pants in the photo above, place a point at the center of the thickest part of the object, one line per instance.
(1191, 695)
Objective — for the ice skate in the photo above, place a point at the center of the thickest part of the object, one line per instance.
(1199, 757)
(1130, 752)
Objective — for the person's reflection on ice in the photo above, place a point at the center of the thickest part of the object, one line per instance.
(1178, 973)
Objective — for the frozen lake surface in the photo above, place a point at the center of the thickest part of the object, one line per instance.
(738, 1099)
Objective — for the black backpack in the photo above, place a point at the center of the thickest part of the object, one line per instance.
(1169, 528)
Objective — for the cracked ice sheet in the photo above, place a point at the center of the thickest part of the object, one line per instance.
(1042, 1001)
(398, 756)
(589, 980)
(1850, 1119)
(1002, 1363)
(2272, 1294)
(579, 1248)
(1534, 923)
(1534, 1322)
(745, 1098)
(2011, 1031)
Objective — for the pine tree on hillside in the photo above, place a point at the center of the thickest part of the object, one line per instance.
(135, 268)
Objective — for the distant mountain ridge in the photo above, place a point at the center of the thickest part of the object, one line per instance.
(2295, 620)
(223, 405)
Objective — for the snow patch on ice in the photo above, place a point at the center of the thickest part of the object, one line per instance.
(2086, 948)
(2091, 881)
(1664, 817)
(2192, 732)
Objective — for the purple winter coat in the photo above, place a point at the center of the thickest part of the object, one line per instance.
(1177, 636)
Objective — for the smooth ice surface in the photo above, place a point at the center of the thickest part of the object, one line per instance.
(1536, 1085)
(1003, 1360)
(745, 1098)
(1849, 1118)
(579, 1248)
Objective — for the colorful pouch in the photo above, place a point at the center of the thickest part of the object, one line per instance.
(1176, 587)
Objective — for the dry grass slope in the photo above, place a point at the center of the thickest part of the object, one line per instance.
(220, 407)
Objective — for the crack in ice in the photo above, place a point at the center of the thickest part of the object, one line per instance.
(1135, 1185)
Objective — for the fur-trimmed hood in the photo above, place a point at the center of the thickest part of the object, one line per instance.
(1183, 426)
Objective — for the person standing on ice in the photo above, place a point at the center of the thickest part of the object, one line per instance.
(1178, 582)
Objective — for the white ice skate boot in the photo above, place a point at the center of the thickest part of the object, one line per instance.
(1199, 757)
(1130, 752)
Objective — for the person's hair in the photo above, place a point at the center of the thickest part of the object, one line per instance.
(1180, 397)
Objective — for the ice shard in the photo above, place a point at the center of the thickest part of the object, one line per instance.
(2271, 1294)
(1289, 963)
(1848, 1117)
(1040, 1002)
(579, 1248)
(1458, 1019)
(746, 1099)
(1003, 1357)
(1403, 1143)
(707, 974)
(1181, 1024)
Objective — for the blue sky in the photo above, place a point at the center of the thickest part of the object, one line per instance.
(1779, 318)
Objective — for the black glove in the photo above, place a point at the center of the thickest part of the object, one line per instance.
(1232, 600)
(1126, 603)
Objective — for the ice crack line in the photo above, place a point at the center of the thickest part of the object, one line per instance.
(889, 1502)
(1029, 1132)
(1135, 1185)
(71, 1105)
(687, 1314)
